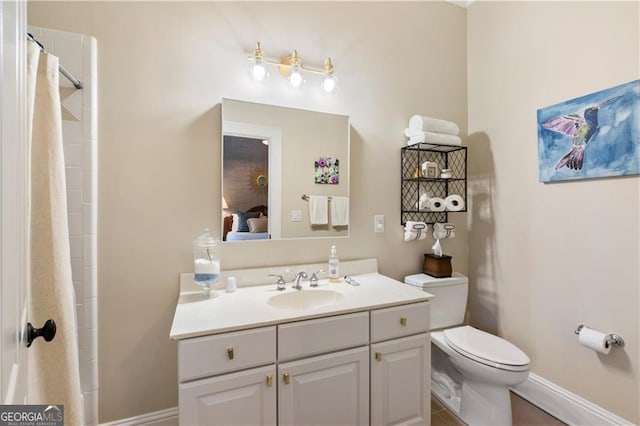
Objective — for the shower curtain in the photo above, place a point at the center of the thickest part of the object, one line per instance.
(54, 376)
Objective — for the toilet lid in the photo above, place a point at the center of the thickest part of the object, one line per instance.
(486, 348)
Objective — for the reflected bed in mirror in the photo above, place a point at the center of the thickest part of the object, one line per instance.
(271, 157)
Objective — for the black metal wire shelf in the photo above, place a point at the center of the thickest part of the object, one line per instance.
(414, 185)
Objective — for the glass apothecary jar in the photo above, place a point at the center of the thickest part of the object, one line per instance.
(206, 261)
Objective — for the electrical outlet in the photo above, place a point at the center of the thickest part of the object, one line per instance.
(378, 223)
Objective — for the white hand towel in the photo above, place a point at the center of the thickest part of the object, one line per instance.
(443, 230)
(437, 138)
(318, 212)
(409, 132)
(420, 123)
(339, 211)
(415, 231)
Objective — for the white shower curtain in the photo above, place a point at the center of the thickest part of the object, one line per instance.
(54, 376)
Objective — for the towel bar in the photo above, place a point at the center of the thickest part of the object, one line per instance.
(306, 197)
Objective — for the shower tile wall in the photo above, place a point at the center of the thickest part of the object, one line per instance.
(78, 54)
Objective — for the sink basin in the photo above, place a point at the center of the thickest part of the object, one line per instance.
(305, 299)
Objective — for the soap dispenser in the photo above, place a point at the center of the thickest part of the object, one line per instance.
(206, 261)
(334, 266)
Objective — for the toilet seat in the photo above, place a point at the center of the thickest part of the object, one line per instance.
(486, 348)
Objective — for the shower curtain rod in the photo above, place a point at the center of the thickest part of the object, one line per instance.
(76, 83)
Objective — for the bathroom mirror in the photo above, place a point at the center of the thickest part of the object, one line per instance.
(272, 156)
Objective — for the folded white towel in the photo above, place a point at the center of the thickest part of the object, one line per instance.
(443, 230)
(423, 202)
(437, 138)
(409, 132)
(339, 211)
(420, 124)
(415, 231)
(318, 212)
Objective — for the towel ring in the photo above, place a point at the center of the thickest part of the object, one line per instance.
(418, 227)
(449, 227)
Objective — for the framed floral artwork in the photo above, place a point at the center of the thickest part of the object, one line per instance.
(327, 170)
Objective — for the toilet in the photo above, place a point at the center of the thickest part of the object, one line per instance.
(471, 371)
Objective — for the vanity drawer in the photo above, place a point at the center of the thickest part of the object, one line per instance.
(312, 337)
(221, 353)
(399, 321)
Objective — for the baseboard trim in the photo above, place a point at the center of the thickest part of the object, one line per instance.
(167, 417)
(564, 405)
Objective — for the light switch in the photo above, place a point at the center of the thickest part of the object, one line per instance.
(296, 215)
(378, 223)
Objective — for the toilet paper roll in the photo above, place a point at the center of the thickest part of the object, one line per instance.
(436, 204)
(454, 203)
(594, 339)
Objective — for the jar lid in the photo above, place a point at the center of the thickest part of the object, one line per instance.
(205, 239)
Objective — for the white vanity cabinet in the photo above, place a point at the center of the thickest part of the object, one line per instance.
(369, 367)
(218, 385)
(329, 389)
(242, 398)
(401, 366)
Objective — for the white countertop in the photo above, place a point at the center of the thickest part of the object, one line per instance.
(248, 307)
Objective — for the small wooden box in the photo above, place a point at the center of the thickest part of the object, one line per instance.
(437, 266)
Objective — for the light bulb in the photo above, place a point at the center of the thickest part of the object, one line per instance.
(330, 83)
(258, 70)
(295, 77)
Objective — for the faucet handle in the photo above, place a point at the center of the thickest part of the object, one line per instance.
(281, 283)
(313, 281)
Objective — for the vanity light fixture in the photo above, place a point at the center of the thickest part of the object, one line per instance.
(290, 67)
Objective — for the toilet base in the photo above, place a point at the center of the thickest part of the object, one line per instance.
(475, 404)
(482, 404)
(480, 395)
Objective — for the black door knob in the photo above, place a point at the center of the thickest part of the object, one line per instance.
(47, 332)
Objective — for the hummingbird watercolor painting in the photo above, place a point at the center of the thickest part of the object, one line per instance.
(592, 136)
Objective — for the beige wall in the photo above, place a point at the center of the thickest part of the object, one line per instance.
(163, 69)
(547, 257)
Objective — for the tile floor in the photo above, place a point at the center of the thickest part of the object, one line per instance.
(524, 414)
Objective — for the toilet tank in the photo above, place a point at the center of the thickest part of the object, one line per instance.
(450, 302)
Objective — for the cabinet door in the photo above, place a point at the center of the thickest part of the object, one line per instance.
(244, 398)
(400, 381)
(329, 389)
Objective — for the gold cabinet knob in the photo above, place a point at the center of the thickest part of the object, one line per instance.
(285, 376)
(230, 353)
(378, 356)
(269, 380)
(403, 321)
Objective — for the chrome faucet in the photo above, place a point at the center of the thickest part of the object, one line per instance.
(297, 286)
(281, 283)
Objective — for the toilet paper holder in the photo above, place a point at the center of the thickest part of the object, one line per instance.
(613, 339)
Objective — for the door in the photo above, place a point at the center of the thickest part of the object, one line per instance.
(325, 390)
(14, 206)
(244, 398)
(400, 381)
